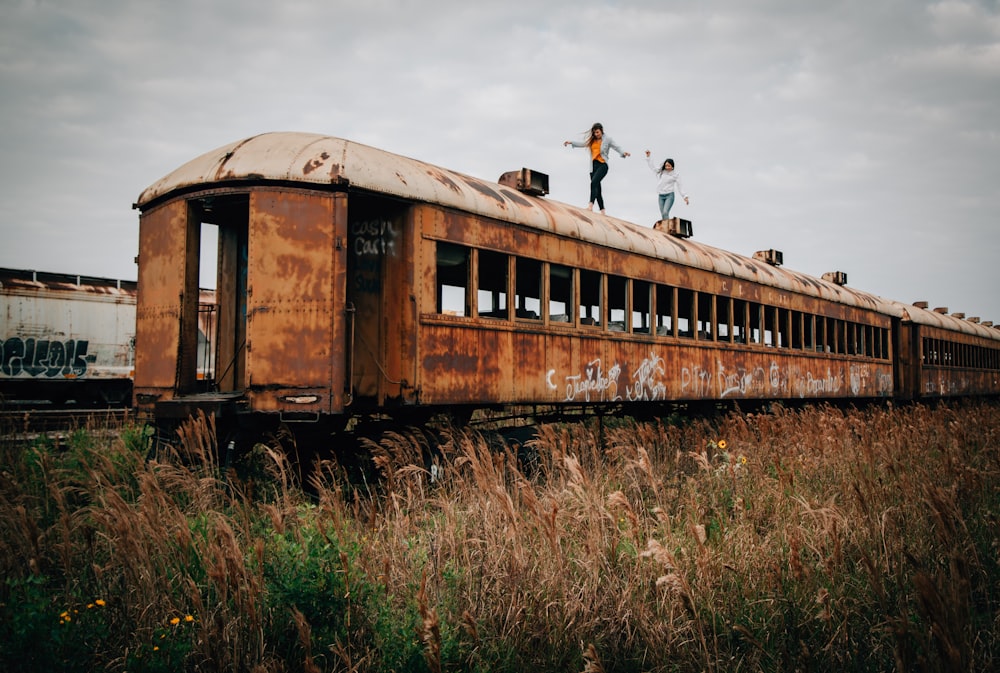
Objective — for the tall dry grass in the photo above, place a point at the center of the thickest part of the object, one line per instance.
(813, 540)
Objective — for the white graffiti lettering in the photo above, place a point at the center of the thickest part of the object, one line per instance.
(604, 386)
(648, 384)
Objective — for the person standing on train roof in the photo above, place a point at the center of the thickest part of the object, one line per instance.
(600, 145)
(669, 183)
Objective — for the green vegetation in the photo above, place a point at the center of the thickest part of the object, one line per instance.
(812, 540)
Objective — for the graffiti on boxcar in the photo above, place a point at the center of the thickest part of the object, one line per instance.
(741, 382)
(594, 381)
(647, 382)
(696, 381)
(810, 385)
(374, 238)
(43, 357)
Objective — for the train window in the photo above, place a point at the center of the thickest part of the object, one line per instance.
(452, 278)
(664, 310)
(784, 328)
(641, 315)
(591, 291)
(685, 312)
(836, 335)
(770, 331)
(755, 326)
(809, 332)
(723, 318)
(796, 334)
(617, 303)
(492, 285)
(528, 281)
(560, 293)
(740, 321)
(705, 316)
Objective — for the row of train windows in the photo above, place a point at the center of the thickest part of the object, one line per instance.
(951, 354)
(476, 282)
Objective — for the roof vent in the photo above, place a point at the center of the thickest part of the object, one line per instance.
(772, 257)
(960, 316)
(987, 323)
(527, 181)
(941, 309)
(675, 226)
(835, 277)
(921, 304)
(974, 319)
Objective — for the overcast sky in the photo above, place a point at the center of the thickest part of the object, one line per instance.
(860, 136)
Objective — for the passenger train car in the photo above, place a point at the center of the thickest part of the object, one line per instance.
(354, 282)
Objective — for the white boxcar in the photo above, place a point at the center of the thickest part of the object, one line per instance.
(66, 337)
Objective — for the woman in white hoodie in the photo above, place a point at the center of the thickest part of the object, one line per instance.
(669, 182)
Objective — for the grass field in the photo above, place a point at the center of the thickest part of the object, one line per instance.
(807, 540)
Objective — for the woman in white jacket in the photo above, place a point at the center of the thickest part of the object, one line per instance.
(669, 182)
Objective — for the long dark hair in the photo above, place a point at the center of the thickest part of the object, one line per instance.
(664, 164)
(590, 133)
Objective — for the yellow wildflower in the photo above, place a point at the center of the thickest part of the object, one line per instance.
(100, 601)
(188, 618)
(175, 621)
(722, 444)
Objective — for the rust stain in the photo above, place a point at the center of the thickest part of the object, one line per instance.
(315, 163)
(487, 192)
(446, 181)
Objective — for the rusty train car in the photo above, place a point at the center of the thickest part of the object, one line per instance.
(353, 282)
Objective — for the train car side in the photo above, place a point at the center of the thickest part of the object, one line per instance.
(66, 337)
(589, 323)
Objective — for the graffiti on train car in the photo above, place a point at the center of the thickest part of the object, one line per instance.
(374, 237)
(50, 358)
(599, 382)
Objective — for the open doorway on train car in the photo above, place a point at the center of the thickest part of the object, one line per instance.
(222, 281)
(380, 290)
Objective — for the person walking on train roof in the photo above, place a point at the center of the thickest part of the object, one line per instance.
(669, 183)
(600, 145)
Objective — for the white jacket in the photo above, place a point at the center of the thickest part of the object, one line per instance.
(670, 181)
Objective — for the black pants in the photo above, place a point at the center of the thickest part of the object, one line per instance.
(596, 175)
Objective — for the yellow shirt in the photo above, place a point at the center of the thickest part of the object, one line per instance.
(595, 150)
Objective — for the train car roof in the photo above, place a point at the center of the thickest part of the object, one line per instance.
(315, 159)
(29, 280)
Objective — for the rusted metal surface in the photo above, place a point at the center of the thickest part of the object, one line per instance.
(291, 348)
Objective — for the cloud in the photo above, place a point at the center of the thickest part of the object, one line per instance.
(853, 134)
